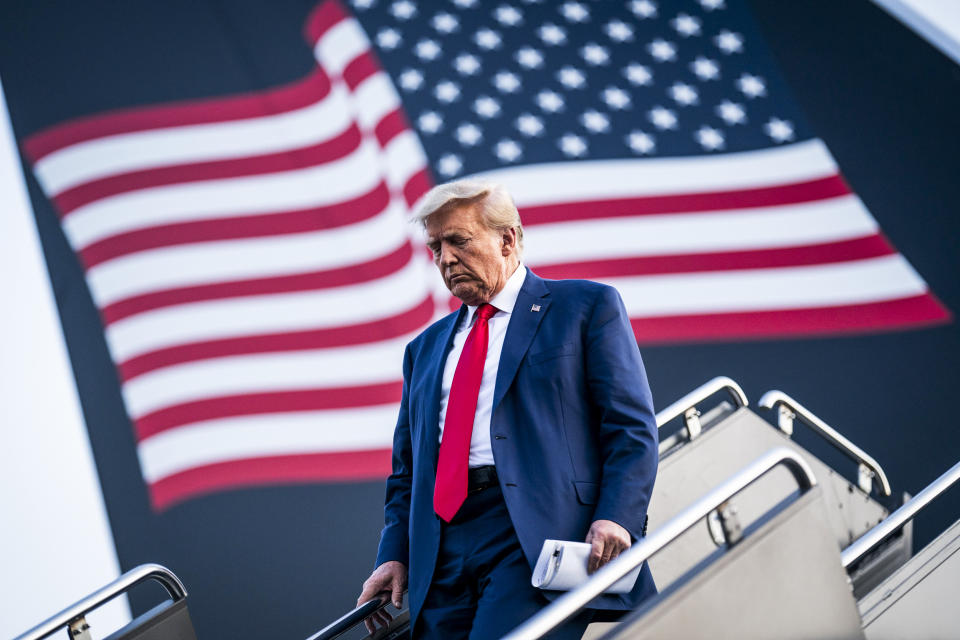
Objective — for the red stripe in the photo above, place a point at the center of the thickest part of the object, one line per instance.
(418, 184)
(844, 251)
(263, 403)
(402, 323)
(876, 316)
(359, 69)
(254, 104)
(322, 19)
(330, 150)
(821, 189)
(390, 126)
(340, 214)
(275, 470)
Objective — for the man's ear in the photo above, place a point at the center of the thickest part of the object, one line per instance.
(508, 241)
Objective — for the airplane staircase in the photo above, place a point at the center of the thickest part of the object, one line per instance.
(753, 536)
(750, 536)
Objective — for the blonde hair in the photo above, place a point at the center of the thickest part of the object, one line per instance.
(496, 206)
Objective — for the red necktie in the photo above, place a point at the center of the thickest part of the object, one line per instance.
(451, 486)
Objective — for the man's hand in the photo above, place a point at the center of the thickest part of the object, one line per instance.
(389, 580)
(608, 540)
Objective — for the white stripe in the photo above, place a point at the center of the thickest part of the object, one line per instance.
(230, 260)
(267, 314)
(841, 283)
(123, 153)
(404, 158)
(551, 183)
(374, 98)
(329, 183)
(243, 437)
(342, 43)
(354, 365)
(830, 220)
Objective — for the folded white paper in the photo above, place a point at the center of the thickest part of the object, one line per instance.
(562, 566)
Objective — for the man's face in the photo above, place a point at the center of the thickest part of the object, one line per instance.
(475, 261)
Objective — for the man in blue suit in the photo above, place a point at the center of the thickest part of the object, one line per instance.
(525, 415)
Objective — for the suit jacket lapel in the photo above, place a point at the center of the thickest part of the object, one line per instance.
(532, 304)
(431, 416)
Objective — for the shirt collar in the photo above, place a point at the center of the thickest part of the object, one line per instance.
(507, 298)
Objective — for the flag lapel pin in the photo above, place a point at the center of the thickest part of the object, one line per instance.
(535, 307)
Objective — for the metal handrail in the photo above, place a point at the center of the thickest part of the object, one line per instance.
(573, 601)
(687, 405)
(898, 518)
(77, 610)
(790, 409)
(345, 622)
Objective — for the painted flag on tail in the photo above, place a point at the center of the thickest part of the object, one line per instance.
(255, 272)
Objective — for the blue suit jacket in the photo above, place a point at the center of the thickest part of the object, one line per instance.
(573, 430)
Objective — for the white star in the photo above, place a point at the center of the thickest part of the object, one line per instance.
(729, 42)
(529, 125)
(618, 31)
(571, 77)
(594, 54)
(573, 145)
(508, 16)
(488, 39)
(779, 130)
(466, 64)
(616, 98)
(705, 69)
(731, 112)
(430, 122)
(445, 23)
(486, 107)
(411, 79)
(641, 142)
(662, 118)
(575, 12)
(595, 121)
(506, 81)
(637, 74)
(362, 4)
(550, 101)
(447, 91)
(710, 5)
(508, 150)
(449, 165)
(643, 8)
(662, 50)
(403, 9)
(709, 138)
(686, 25)
(751, 86)
(529, 58)
(683, 94)
(465, 4)
(427, 49)
(552, 34)
(388, 38)
(469, 134)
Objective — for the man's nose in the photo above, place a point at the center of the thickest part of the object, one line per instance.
(447, 256)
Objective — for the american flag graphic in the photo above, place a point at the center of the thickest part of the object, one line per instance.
(257, 277)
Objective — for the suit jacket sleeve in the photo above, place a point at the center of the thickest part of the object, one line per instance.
(394, 540)
(627, 429)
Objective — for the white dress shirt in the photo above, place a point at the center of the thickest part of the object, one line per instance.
(481, 453)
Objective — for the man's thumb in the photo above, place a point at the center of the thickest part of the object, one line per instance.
(397, 592)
